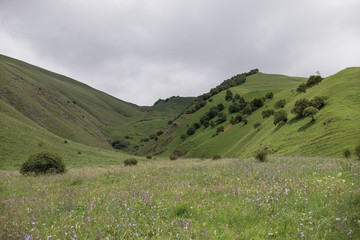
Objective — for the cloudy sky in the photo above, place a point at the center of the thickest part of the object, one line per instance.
(142, 50)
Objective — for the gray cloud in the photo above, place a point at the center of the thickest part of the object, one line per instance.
(140, 50)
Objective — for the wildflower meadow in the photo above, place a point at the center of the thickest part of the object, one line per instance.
(283, 198)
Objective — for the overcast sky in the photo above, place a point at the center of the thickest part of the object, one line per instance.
(143, 50)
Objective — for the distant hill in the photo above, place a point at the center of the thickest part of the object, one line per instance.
(42, 110)
(36, 102)
(335, 128)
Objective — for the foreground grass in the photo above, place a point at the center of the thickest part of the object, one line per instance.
(284, 198)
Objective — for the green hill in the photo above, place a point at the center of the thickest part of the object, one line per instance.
(41, 106)
(335, 128)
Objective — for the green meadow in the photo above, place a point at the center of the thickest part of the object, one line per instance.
(284, 198)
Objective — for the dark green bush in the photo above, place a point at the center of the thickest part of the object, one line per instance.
(216, 157)
(280, 117)
(280, 104)
(220, 129)
(302, 88)
(346, 153)
(357, 151)
(120, 144)
(257, 124)
(267, 113)
(42, 163)
(172, 157)
(130, 162)
(299, 107)
(191, 131)
(261, 155)
(149, 157)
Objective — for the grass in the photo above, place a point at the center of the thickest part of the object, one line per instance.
(75, 111)
(335, 127)
(284, 198)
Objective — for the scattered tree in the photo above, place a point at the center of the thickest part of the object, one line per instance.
(280, 104)
(120, 144)
(280, 117)
(229, 95)
(257, 125)
(299, 107)
(130, 162)
(267, 113)
(190, 131)
(310, 112)
(301, 88)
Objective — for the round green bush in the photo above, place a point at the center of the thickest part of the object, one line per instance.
(43, 163)
(130, 162)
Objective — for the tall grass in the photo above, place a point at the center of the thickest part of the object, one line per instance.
(285, 198)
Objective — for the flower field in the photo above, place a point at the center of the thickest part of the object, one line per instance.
(284, 198)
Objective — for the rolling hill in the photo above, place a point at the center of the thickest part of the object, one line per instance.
(41, 106)
(336, 126)
(42, 110)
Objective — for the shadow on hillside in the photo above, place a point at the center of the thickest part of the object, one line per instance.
(306, 126)
(294, 120)
(278, 127)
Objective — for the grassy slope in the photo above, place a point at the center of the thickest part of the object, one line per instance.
(75, 111)
(336, 126)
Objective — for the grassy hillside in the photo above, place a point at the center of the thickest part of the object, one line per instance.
(36, 103)
(335, 128)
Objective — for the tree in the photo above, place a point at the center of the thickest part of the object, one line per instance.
(269, 95)
(190, 131)
(42, 163)
(220, 106)
(257, 124)
(229, 95)
(237, 96)
(220, 129)
(317, 102)
(280, 104)
(248, 109)
(267, 113)
(313, 80)
(119, 144)
(310, 112)
(257, 103)
(280, 117)
(299, 107)
(234, 108)
(302, 88)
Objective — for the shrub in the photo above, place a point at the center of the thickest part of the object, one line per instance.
(216, 157)
(172, 157)
(190, 131)
(149, 157)
(220, 106)
(130, 162)
(310, 112)
(220, 129)
(261, 155)
(159, 132)
(183, 137)
(346, 153)
(65, 141)
(280, 117)
(357, 151)
(299, 107)
(280, 104)
(257, 103)
(318, 102)
(119, 144)
(302, 88)
(234, 108)
(313, 80)
(257, 124)
(267, 113)
(248, 109)
(42, 163)
(196, 125)
(229, 95)
(269, 95)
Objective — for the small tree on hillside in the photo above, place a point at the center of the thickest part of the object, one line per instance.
(302, 88)
(299, 106)
(280, 117)
(229, 95)
(280, 104)
(310, 112)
